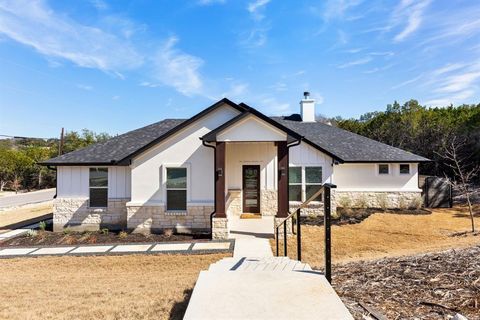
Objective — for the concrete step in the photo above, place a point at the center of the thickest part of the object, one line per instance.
(276, 264)
(264, 295)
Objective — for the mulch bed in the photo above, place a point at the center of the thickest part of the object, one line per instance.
(353, 216)
(429, 286)
(45, 238)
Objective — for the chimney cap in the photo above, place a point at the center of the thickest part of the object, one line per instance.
(306, 94)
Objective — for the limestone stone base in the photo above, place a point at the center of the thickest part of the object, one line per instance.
(220, 229)
(157, 219)
(313, 209)
(234, 203)
(75, 214)
(268, 202)
(389, 199)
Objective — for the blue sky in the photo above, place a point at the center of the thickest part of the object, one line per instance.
(117, 65)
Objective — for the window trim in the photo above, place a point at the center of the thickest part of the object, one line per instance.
(163, 182)
(97, 187)
(303, 184)
(296, 184)
(400, 169)
(383, 174)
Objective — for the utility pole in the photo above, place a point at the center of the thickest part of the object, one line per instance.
(60, 146)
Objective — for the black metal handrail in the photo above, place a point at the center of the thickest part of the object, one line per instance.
(326, 189)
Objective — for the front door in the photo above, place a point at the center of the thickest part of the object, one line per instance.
(251, 188)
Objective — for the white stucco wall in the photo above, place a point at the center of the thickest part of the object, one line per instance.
(183, 149)
(258, 153)
(73, 182)
(365, 177)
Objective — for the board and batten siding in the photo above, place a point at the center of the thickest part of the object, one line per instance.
(365, 177)
(255, 153)
(73, 182)
(306, 155)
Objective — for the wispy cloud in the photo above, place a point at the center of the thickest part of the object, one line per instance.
(256, 9)
(84, 87)
(355, 63)
(178, 69)
(99, 4)
(406, 82)
(408, 15)
(34, 24)
(335, 9)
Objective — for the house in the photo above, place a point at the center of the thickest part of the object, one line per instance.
(224, 161)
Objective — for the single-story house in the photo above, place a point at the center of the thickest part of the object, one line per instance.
(227, 160)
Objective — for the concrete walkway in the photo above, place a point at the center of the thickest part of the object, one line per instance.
(118, 249)
(255, 285)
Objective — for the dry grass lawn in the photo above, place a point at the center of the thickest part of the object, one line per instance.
(103, 287)
(387, 235)
(11, 216)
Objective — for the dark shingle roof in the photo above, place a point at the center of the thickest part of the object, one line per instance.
(340, 144)
(117, 148)
(347, 146)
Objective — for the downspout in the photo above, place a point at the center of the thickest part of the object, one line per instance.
(214, 184)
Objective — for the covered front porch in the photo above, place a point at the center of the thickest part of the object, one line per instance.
(251, 171)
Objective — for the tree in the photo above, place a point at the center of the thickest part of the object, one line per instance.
(6, 166)
(464, 172)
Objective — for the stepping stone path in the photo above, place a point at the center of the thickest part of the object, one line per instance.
(117, 249)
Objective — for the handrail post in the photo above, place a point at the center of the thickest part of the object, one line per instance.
(299, 237)
(327, 208)
(276, 236)
(285, 239)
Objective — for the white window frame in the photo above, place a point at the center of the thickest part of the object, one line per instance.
(383, 174)
(164, 184)
(96, 187)
(303, 183)
(409, 169)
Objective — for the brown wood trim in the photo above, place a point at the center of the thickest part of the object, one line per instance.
(282, 196)
(244, 206)
(220, 180)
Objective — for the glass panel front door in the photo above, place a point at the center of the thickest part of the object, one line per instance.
(251, 188)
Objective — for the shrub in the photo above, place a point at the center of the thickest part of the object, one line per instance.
(67, 231)
(382, 201)
(122, 234)
(361, 202)
(42, 225)
(402, 203)
(69, 239)
(32, 233)
(105, 231)
(92, 239)
(168, 232)
(345, 202)
(417, 202)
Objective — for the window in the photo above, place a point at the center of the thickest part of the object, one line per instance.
(304, 182)
(404, 168)
(383, 169)
(295, 184)
(176, 188)
(98, 183)
(313, 182)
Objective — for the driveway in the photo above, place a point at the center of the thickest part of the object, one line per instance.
(27, 198)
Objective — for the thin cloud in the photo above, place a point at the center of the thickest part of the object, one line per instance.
(178, 69)
(335, 9)
(99, 4)
(355, 63)
(210, 2)
(407, 82)
(84, 87)
(255, 8)
(34, 24)
(412, 12)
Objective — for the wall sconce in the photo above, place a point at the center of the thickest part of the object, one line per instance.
(283, 172)
(220, 172)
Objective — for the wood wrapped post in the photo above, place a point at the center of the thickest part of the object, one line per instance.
(220, 181)
(282, 196)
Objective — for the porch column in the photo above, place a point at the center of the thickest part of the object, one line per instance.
(282, 197)
(220, 180)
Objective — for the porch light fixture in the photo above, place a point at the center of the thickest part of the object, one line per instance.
(283, 171)
(220, 172)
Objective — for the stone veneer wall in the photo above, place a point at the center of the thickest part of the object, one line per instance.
(268, 202)
(155, 218)
(394, 198)
(313, 209)
(74, 213)
(220, 228)
(234, 203)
